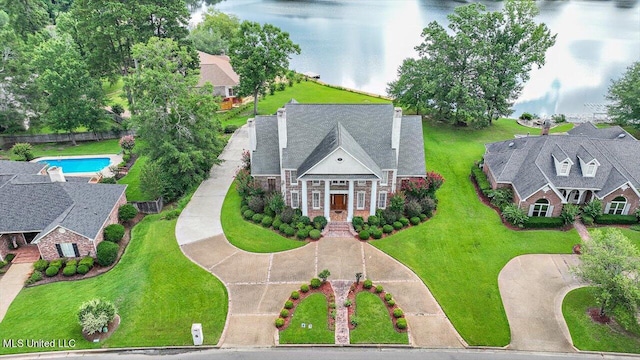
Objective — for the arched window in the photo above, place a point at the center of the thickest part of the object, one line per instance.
(540, 208)
(617, 206)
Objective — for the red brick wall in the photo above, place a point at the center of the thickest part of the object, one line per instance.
(549, 195)
(112, 219)
(5, 240)
(264, 182)
(629, 194)
(47, 244)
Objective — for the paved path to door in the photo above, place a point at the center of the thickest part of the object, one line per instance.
(11, 283)
(259, 284)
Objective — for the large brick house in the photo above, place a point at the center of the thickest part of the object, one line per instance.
(338, 161)
(62, 216)
(548, 171)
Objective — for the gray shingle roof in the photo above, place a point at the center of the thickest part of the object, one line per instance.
(528, 164)
(265, 160)
(19, 167)
(590, 130)
(411, 153)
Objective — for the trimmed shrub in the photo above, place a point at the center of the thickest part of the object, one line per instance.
(537, 222)
(127, 212)
(279, 322)
(248, 214)
(287, 215)
(256, 203)
(389, 216)
(288, 304)
(82, 269)
(398, 313)
(569, 213)
(274, 202)
(283, 227)
(87, 261)
(387, 229)
(315, 283)
(414, 220)
(391, 302)
(41, 265)
(22, 151)
(295, 295)
(267, 221)
(404, 221)
(289, 231)
(634, 227)
(515, 215)
(95, 314)
(364, 235)
(373, 220)
(428, 206)
(113, 233)
(379, 289)
(423, 217)
(304, 288)
(257, 218)
(244, 208)
(481, 179)
(367, 284)
(315, 234)
(9, 257)
(230, 129)
(397, 225)
(354, 321)
(607, 219)
(107, 253)
(72, 262)
(320, 222)
(35, 277)
(108, 180)
(302, 234)
(284, 313)
(69, 270)
(587, 220)
(52, 271)
(276, 223)
(347, 303)
(357, 221)
(57, 263)
(413, 208)
(388, 296)
(376, 233)
(401, 323)
(305, 220)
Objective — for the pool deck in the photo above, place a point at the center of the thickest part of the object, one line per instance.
(114, 159)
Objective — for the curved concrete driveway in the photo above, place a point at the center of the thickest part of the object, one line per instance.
(532, 289)
(258, 284)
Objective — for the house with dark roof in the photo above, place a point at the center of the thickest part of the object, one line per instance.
(548, 171)
(336, 160)
(62, 216)
(217, 70)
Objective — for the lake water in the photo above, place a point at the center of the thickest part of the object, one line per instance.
(360, 44)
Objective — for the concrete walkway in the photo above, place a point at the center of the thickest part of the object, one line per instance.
(533, 288)
(11, 283)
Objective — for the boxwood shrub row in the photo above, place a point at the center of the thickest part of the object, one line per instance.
(537, 222)
(607, 219)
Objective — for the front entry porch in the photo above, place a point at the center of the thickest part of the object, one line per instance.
(338, 200)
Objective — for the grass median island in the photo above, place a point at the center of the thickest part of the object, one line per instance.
(312, 310)
(461, 250)
(159, 293)
(374, 324)
(249, 236)
(589, 335)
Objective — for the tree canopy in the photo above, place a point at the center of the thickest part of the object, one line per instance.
(624, 94)
(473, 73)
(213, 35)
(259, 54)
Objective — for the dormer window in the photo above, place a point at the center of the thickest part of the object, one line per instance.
(565, 166)
(590, 170)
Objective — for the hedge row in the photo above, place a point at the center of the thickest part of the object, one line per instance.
(607, 219)
(537, 222)
(481, 179)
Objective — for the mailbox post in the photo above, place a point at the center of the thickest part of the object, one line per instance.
(196, 333)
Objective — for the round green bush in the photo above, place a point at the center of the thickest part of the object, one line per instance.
(309, 227)
(69, 270)
(284, 313)
(358, 228)
(397, 225)
(302, 234)
(107, 253)
(127, 212)
(423, 217)
(376, 234)
(364, 235)
(315, 283)
(367, 284)
(415, 220)
(288, 304)
(373, 220)
(113, 233)
(401, 323)
(87, 261)
(387, 229)
(283, 227)
(257, 218)
(314, 234)
(295, 295)
(404, 221)
(391, 303)
(57, 263)
(289, 231)
(357, 221)
(72, 262)
(304, 288)
(305, 220)
(82, 269)
(279, 322)
(248, 214)
(41, 265)
(398, 313)
(267, 221)
(320, 222)
(388, 296)
(244, 208)
(379, 289)
(35, 277)
(52, 271)
(276, 223)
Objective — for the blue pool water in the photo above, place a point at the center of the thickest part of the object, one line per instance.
(70, 166)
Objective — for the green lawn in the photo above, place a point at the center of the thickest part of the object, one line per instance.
(158, 291)
(461, 250)
(374, 324)
(247, 235)
(132, 179)
(588, 335)
(114, 94)
(312, 310)
(110, 146)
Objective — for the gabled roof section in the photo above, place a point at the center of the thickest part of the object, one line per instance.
(411, 152)
(217, 70)
(264, 160)
(8, 167)
(339, 138)
(560, 154)
(590, 130)
(585, 155)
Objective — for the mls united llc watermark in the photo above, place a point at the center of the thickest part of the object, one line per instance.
(39, 343)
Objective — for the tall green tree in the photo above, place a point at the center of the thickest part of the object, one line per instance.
(176, 119)
(73, 98)
(213, 35)
(611, 263)
(624, 94)
(26, 16)
(259, 54)
(473, 73)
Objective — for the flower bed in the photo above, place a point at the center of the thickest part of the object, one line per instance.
(325, 288)
(390, 304)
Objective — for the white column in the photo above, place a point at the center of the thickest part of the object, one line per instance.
(374, 197)
(305, 211)
(350, 202)
(327, 200)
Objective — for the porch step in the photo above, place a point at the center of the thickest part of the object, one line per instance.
(339, 229)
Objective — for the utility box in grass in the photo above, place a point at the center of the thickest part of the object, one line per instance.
(196, 333)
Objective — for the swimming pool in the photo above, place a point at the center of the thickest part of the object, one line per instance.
(84, 165)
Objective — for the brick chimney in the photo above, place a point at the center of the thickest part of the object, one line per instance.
(546, 125)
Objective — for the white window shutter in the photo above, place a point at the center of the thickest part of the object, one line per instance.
(626, 209)
(530, 210)
(607, 208)
(550, 211)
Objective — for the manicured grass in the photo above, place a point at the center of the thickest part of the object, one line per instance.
(461, 250)
(374, 324)
(114, 93)
(158, 291)
(249, 236)
(588, 335)
(132, 179)
(110, 146)
(311, 310)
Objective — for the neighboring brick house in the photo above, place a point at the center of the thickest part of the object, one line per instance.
(336, 160)
(217, 70)
(548, 171)
(62, 216)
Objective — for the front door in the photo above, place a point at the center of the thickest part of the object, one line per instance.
(338, 201)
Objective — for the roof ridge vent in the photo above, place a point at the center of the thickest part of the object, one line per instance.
(511, 144)
(622, 135)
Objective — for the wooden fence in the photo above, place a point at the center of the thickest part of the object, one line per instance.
(149, 207)
(7, 141)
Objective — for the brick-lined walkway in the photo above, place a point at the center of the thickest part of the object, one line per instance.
(341, 289)
(582, 230)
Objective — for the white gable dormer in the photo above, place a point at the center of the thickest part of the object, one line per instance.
(589, 168)
(563, 166)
